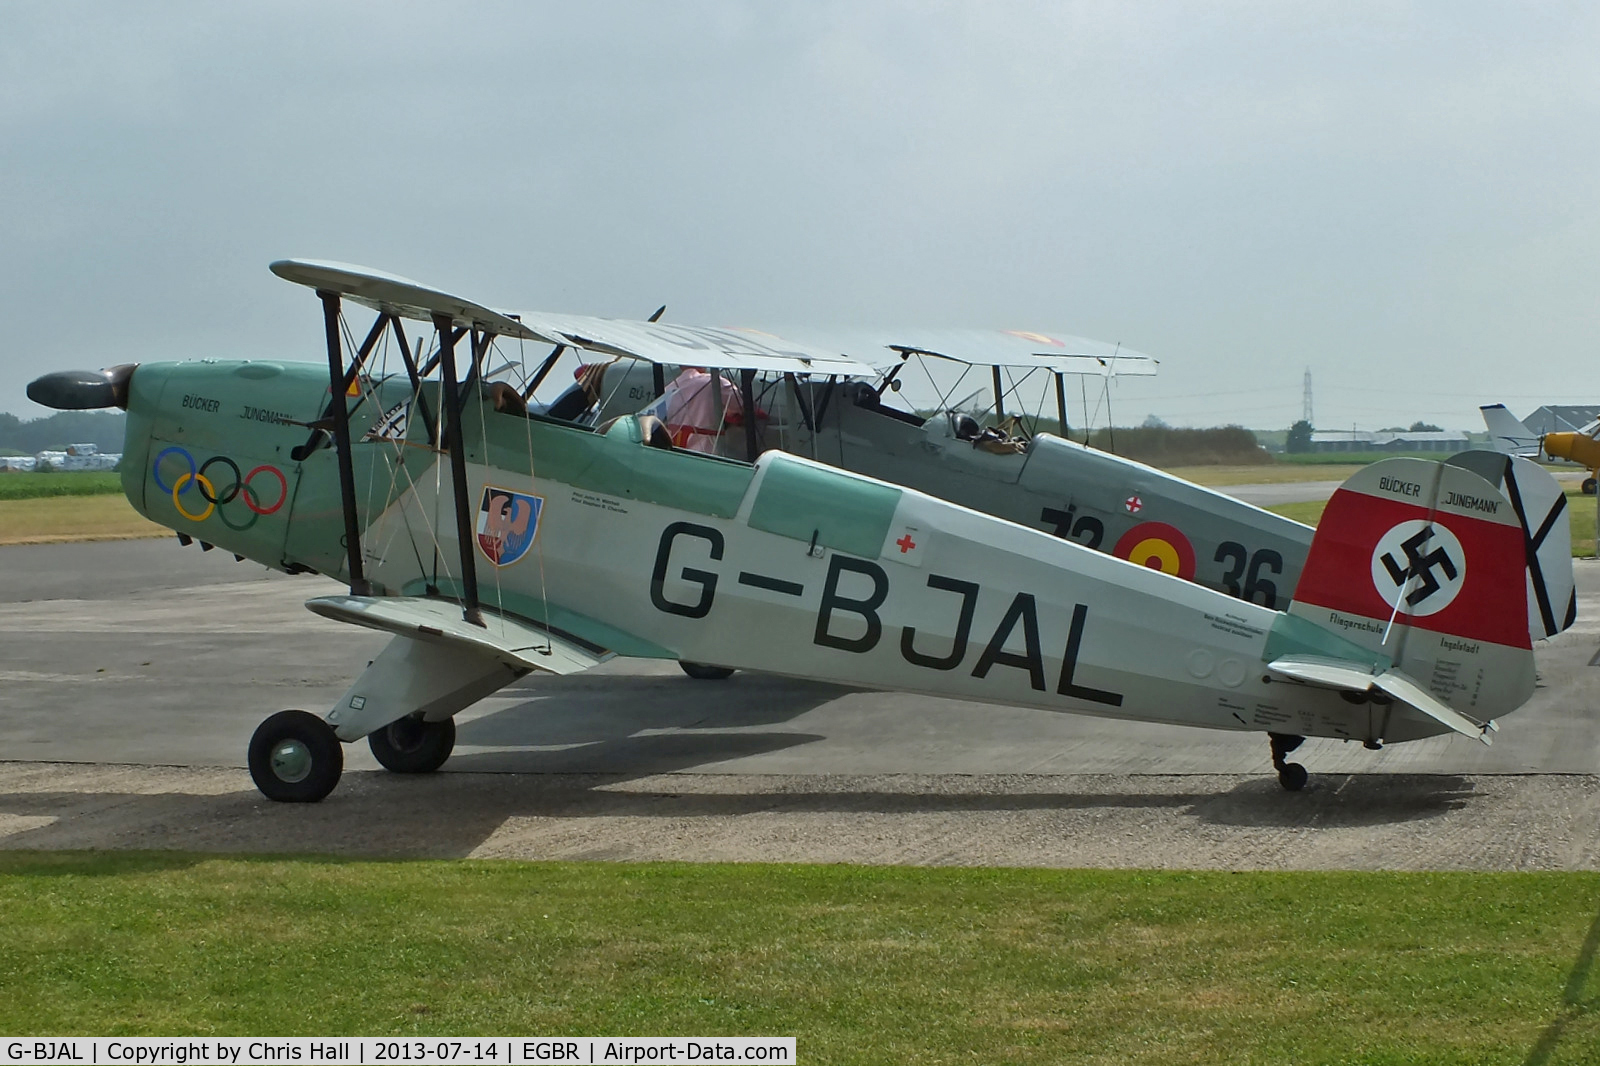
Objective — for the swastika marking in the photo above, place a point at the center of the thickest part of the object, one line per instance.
(1419, 566)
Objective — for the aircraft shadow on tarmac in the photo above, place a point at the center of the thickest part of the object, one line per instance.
(1337, 801)
(449, 815)
(636, 726)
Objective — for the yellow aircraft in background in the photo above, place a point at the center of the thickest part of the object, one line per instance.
(1508, 434)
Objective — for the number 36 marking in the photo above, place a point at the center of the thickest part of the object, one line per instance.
(1242, 564)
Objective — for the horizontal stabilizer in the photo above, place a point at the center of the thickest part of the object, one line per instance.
(1330, 673)
(510, 640)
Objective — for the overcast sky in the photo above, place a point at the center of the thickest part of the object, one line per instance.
(1400, 197)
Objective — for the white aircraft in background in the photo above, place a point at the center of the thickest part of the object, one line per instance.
(1509, 435)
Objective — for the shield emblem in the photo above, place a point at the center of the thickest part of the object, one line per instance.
(508, 521)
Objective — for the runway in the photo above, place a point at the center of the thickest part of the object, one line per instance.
(134, 672)
(1269, 494)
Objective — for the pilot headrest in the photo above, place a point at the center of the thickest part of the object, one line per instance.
(862, 394)
(966, 427)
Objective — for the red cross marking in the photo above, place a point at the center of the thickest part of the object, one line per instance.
(906, 543)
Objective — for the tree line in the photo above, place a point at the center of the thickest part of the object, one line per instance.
(54, 432)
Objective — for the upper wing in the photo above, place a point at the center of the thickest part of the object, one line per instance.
(653, 341)
(397, 296)
(1055, 352)
(509, 640)
(858, 353)
(675, 345)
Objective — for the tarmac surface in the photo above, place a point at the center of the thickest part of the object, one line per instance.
(132, 674)
(1269, 494)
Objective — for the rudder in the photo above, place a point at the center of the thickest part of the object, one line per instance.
(1424, 562)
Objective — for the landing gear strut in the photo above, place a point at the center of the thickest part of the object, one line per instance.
(1291, 775)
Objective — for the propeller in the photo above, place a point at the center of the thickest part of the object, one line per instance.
(83, 390)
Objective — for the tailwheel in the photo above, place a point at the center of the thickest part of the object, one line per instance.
(295, 758)
(413, 745)
(1291, 775)
(703, 672)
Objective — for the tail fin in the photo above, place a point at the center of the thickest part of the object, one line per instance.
(1424, 563)
(1541, 509)
(1507, 434)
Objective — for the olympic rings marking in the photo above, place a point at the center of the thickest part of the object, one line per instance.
(250, 519)
(155, 469)
(205, 492)
(239, 486)
(283, 489)
(233, 491)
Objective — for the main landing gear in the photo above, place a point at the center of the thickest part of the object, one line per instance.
(1291, 775)
(296, 757)
(403, 704)
(413, 745)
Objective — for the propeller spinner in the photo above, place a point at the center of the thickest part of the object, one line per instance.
(83, 390)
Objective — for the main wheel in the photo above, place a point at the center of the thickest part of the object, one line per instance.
(295, 757)
(702, 672)
(1588, 486)
(413, 745)
(1293, 776)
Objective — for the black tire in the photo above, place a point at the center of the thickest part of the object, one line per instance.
(413, 745)
(1588, 486)
(702, 672)
(295, 758)
(1293, 777)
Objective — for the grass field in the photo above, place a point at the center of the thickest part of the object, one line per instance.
(1273, 474)
(27, 486)
(49, 519)
(862, 964)
(1338, 458)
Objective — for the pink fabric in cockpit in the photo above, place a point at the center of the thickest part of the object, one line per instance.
(693, 416)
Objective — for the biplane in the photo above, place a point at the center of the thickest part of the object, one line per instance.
(1004, 468)
(1038, 479)
(491, 540)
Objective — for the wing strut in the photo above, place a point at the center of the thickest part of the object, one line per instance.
(1061, 402)
(747, 386)
(458, 466)
(416, 382)
(341, 440)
